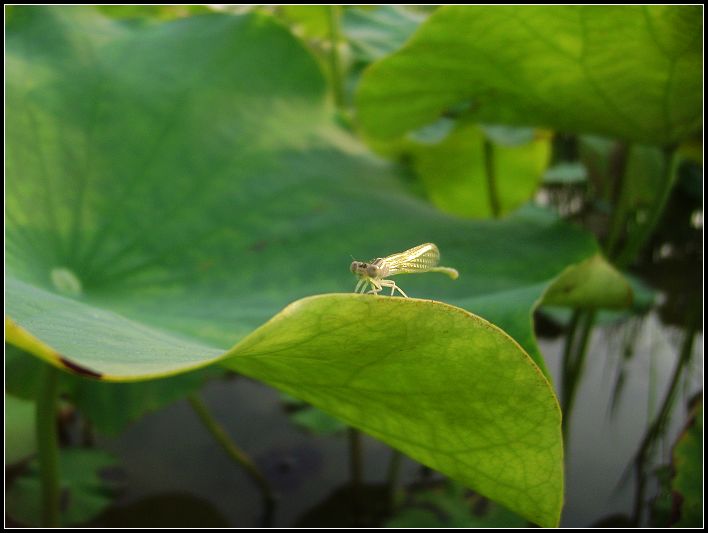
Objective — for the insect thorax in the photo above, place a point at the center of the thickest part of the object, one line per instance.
(382, 266)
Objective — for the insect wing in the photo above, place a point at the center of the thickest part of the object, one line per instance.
(419, 259)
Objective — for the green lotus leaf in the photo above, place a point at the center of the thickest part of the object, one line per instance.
(456, 171)
(631, 72)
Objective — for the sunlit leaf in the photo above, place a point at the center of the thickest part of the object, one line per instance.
(434, 381)
(459, 171)
(632, 72)
(309, 21)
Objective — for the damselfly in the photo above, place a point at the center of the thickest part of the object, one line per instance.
(423, 258)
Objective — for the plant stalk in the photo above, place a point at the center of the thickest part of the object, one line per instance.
(618, 185)
(392, 476)
(568, 350)
(641, 236)
(237, 454)
(574, 363)
(659, 425)
(335, 67)
(492, 192)
(47, 444)
(356, 472)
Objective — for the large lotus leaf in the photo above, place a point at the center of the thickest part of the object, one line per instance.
(173, 186)
(633, 72)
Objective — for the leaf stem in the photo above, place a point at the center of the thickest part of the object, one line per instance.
(237, 454)
(392, 475)
(568, 348)
(492, 192)
(334, 12)
(356, 472)
(639, 238)
(618, 185)
(659, 424)
(47, 444)
(574, 363)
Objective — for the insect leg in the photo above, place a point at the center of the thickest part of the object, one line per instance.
(363, 284)
(376, 286)
(359, 284)
(395, 287)
(388, 283)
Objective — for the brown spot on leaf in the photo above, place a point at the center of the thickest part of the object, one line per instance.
(80, 369)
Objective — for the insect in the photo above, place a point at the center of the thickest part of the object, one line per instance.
(423, 258)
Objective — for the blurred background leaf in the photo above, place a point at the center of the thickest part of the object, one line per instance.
(631, 72)
(20, 439)
(378, 31)
(310, 418)
(108, 407)
(88, 486)
(451, 506)
(459, 170)
(143, 14)
(688, 468)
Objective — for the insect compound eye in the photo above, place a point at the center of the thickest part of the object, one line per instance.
(372, 270)
(358, 267)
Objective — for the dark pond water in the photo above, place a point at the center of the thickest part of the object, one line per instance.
(171, 461)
